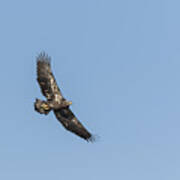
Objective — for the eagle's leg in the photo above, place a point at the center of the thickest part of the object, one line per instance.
(42, 107)
(66, 103)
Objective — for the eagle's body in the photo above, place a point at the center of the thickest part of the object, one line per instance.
(55, 101)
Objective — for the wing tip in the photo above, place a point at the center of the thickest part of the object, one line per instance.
(43, 57)
(93, 138)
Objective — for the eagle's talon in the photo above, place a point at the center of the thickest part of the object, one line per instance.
(69, 103)
(66, 104)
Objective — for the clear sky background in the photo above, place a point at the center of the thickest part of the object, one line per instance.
(119, 62)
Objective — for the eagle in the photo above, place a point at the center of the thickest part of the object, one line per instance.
(55, 101)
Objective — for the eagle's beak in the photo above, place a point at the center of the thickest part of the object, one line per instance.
(45, 106)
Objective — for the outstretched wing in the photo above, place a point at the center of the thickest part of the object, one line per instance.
(71, 123)
(46, 80)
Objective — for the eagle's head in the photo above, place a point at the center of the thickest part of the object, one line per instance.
(41, 106)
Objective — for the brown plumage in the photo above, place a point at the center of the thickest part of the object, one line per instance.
(55, 100)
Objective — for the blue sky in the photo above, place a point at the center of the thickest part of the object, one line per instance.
(118, 62)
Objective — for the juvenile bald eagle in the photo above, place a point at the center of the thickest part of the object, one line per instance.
(55, 100)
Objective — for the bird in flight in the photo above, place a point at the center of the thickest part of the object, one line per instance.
(55, 100)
